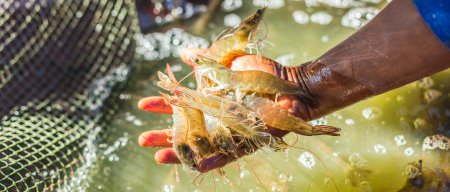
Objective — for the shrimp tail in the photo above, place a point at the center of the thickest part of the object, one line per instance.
(170, 73)
(326, 130)
(165, 82)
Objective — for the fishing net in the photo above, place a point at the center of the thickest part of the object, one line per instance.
(61, 62)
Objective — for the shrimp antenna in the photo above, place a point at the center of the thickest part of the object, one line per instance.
(182, 94)
(254, 173)
(224, 33)
(172, 76)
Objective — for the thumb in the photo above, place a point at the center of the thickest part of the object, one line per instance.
(254, 62)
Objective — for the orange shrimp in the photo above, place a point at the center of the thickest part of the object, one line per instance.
(245, 81)
(232, 45)
(271, 114)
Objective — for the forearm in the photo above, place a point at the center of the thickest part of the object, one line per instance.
(394, 49)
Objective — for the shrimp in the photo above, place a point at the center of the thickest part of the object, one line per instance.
(233, 115)
(190, 138)
(248, 130)
(221, 136)
(232, 45)
(271, 114)
(246, 81)
(180, 131)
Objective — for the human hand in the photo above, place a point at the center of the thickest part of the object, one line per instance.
(161, 138)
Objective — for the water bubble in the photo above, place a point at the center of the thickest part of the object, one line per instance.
(231, 5)
(300, 17)
(176, 67)
(243, 173)
(271, 4)
(379, 149)
(409, 151)
(286, 59)
(400, 98)
(321, 18)
(307, 160)
(358, 161)
(124, 96)
(130, 117)
(231, 20)
(411, 171)
(191, 84)
(371, 113)
(425, 83)
(320, 121)
(349, 122)
(285, 177)
(138, 122)
(357, 17)
(436, 141)
(168, 188)
(157, 46)
(334, 3)
(113, 157)
(400, 140)
(431, 95)
(419, 123)
(325, 38)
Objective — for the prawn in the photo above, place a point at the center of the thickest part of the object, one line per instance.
(246, 81)
(238, 118)
(180, 130)
(190, 138)
(274, 116)
(221, 136)
(232, 45)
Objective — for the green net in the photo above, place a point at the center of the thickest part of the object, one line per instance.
(60, 63)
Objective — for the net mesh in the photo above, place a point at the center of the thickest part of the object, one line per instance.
(60, 64)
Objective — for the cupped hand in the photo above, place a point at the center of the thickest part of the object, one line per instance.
(156, 104)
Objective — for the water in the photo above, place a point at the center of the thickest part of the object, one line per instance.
(380, 135)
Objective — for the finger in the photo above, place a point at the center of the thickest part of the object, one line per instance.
(156, 138)
(166, 156)
(186, 54)
(155, 104)
(218, 161)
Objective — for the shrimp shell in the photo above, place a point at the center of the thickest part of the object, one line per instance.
(247, 81)
(190, 137)
(180, 130)
(274, 116)
(232, 45)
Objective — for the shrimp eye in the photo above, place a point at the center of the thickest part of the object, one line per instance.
(186, 149)
(260, 11)
(195, 60)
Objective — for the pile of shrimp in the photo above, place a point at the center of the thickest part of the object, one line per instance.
(230, 111)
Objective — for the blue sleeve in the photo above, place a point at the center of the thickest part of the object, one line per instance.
(436, 14)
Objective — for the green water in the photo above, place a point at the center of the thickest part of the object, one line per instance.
(368, 136)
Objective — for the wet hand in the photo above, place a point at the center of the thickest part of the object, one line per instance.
(156, 104)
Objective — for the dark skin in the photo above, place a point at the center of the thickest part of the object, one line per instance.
(394, 49)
